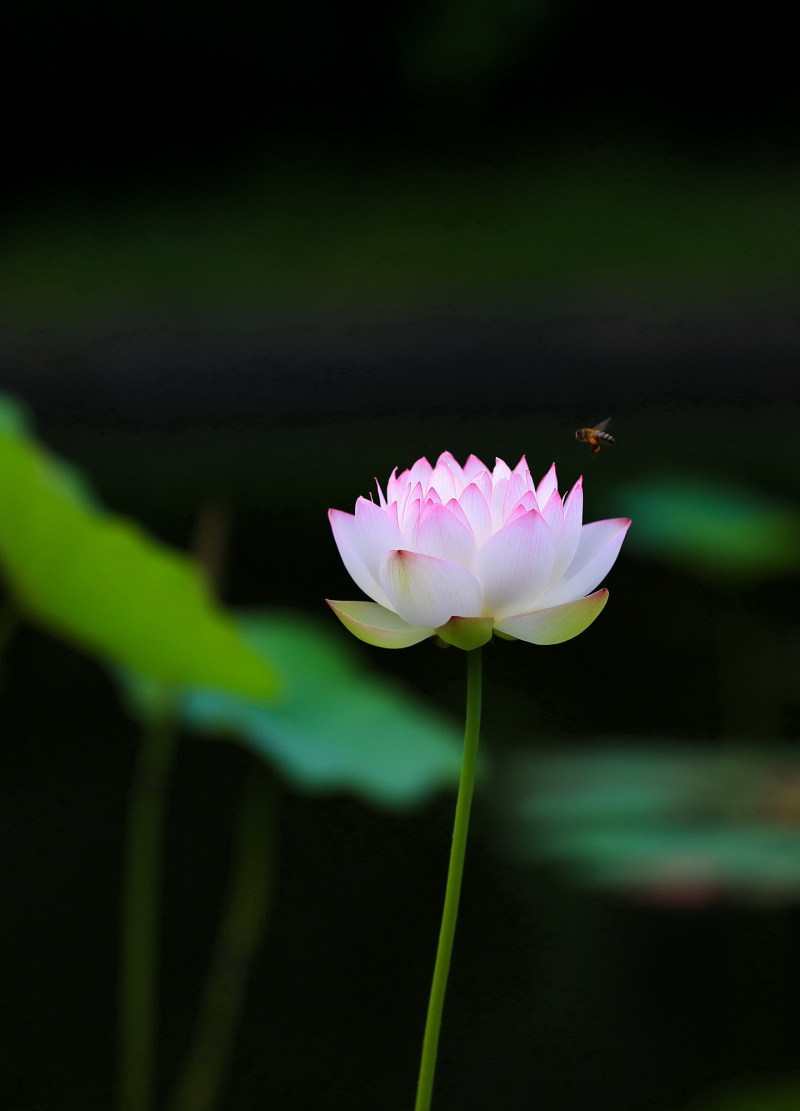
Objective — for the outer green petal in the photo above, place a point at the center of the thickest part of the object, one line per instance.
(467, 632)
(376, 625)
(556, 624)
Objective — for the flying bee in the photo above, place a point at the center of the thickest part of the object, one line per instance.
(595, 437)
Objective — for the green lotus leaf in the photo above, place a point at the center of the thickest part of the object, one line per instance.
(336, 727)
(98, 580)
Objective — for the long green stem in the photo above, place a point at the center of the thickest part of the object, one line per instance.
(244, 917)
(140, 913)
(447, 933)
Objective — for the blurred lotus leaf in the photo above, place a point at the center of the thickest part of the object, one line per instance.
(99, 581)
(16, 422)
(14, 417)
(780, 1096)
(712, 528)
(335, 726)
(671, 824)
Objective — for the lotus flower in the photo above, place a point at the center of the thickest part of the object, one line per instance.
(465, 552)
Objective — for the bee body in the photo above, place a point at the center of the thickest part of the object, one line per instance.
(594, 437)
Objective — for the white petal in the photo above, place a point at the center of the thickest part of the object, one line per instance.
(553, 513)
(569, 535)
(446, 459)
(454, 508)
(514, 491)
(403, 476)
(548, 484)
(410, 520)
(420, 472)
(441, 534)
(443, 483)
(598, 547)
(496, 503)
(477, 513)
(375, 534)
(501, 471)
(343, 525)
(523, 506)
(376, 625)
(514, 564)
(483, 480)
(426, 591)
(593, 540)
(472, 467)
(556, 624)
(393, 487)
(410, 495)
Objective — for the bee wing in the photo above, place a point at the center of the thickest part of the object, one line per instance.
(601, 427)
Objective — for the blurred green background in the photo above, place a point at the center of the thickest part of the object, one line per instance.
(254, 256)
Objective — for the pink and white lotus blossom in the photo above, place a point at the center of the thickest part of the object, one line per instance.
(463, 552)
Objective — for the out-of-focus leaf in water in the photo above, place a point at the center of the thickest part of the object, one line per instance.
(775, 1096)
(336, 726)
(714, 529)
(666, 824)
(100, 581)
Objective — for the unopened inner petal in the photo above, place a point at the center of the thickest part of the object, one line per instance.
(546, 487)
(476, 510)
(441, 534)
(443, 482)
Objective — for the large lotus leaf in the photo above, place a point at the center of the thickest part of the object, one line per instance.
(99, 581)
(336, 726)
(715, 529)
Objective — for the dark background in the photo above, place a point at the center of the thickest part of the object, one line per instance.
(269, 251)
